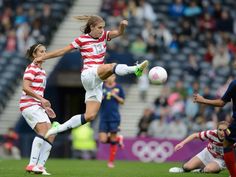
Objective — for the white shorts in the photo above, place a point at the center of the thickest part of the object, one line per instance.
(92, 84)
(35, 114)
(206, 158)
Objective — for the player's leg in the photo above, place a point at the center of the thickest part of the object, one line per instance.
(92, 108)
(192, 164)
(104, 137)
(212, 167)
(105, 71)
(113, 149)
(229, 155)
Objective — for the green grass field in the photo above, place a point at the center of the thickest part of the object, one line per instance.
(80, 168)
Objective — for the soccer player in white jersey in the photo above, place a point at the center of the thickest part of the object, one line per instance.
(36, 110)
(210, 159)
(92, 46)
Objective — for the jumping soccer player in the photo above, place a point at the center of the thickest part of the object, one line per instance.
(92, 45)
(113, 96)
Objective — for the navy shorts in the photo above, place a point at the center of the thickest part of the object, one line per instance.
(232, 135)
(109, 126)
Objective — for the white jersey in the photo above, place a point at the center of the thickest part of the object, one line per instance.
(215, 145)
(37, 76)
(92, 50)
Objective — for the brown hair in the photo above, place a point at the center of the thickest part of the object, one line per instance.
(222, 123)
(33, 49)
(91, 20)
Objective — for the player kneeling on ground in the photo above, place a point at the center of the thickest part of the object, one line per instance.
(210, 159)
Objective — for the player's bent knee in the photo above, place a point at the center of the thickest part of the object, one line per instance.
(90, 117)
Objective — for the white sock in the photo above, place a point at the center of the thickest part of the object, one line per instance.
(35, 150)
(44, 153)
(122, 69)
(73, 122)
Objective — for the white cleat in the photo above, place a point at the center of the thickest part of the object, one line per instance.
(45, 172)
(176, 170)
(53, 130)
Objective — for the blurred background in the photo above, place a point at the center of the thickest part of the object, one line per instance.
(193, 40)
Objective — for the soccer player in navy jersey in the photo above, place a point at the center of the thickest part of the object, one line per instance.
(113, 96)
(229, 95)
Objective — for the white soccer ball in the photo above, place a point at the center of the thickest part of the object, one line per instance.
(157, 75)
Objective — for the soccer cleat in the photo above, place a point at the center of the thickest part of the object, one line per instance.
(53, 130)
(44, 171)
(120, 140)
(176, 170)
(140, 67)
(199, 170)
(33, 168)
(110, 165)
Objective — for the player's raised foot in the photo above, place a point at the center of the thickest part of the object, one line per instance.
(53, 130)
(110, 165)
(176, 170)
(120, 140)
(33, 168)
(140, 67)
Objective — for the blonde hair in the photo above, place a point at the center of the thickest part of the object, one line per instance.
(222, 123)
(92, 20)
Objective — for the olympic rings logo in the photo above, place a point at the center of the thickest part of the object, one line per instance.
(152, 151)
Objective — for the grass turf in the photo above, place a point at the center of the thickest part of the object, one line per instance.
(82, 168)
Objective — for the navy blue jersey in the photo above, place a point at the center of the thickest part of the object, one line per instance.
(109, 110)
(229, 95)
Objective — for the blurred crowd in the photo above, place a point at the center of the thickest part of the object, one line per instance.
(195, 41)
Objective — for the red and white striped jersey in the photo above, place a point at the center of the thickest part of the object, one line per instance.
(215, 145)
(37, 76)
(92, 50)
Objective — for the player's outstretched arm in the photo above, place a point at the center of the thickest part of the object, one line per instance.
(200, 99)
(186, 140)
(119, 31)
(55, 53)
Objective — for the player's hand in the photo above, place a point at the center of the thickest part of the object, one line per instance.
(50, 112)
(179, 146)
(38, 60)
(124, 23)
(45, 103)
(197, 98)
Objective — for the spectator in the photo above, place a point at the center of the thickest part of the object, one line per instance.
(118, 7)
(208, 56)
(10, 144)
(144, 122)
(225, 23)
(176, 9)
(158, 128)
(207, 23)
(143, 85)
(83, 143)
(163, 35)
(192, 67)
(138, 47)
(177, 129)
(145, 11)
(221, 57)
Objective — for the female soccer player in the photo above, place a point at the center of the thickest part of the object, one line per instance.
(92, 45)
(113, 96)
(210, 159)
(36, 110)
(229, 95)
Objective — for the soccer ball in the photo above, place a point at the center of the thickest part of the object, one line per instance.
(157, 75)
